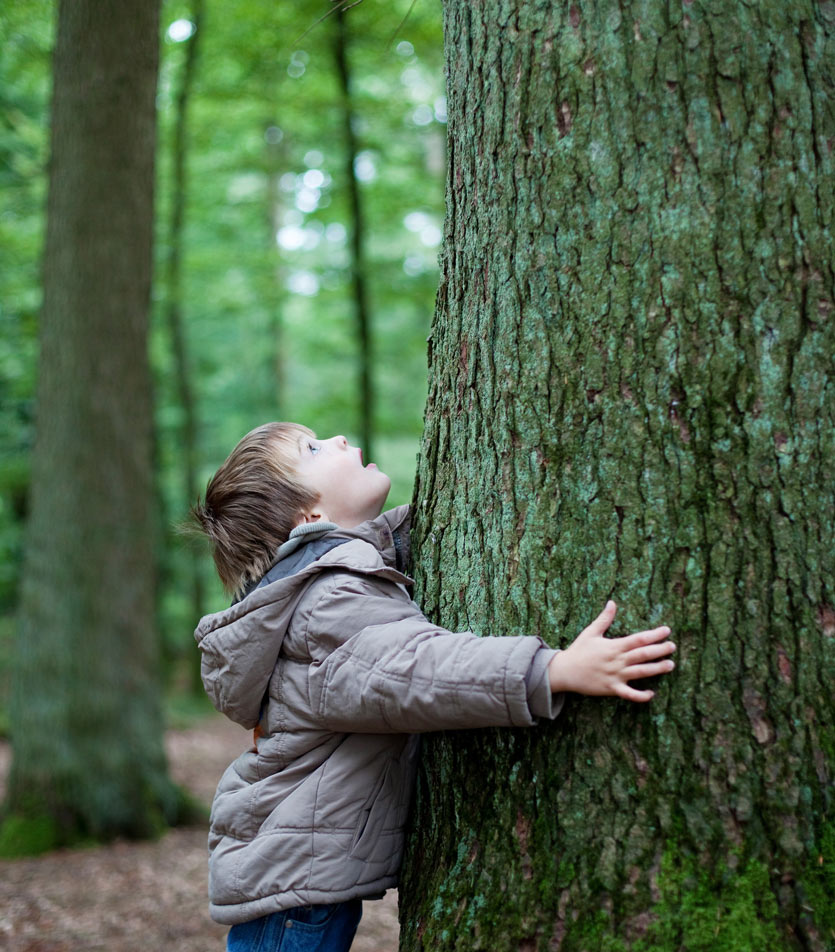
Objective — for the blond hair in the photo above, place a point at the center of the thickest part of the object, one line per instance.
(253, 502)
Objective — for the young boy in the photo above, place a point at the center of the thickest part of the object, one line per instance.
(324, 655)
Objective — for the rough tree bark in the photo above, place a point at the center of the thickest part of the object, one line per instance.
(86, 725)
(631, 395)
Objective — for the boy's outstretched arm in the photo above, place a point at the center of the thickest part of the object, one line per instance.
(596, 665)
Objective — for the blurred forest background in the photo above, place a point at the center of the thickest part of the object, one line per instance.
(299, 208)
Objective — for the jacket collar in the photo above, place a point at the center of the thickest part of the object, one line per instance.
(306, 532)
(388, 533)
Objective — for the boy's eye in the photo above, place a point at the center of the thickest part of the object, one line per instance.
(313, 448)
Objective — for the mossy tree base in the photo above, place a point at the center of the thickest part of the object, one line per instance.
(42, 828)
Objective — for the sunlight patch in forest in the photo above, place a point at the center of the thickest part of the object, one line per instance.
(180, 31)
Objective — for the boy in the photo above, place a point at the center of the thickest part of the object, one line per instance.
(324, 655)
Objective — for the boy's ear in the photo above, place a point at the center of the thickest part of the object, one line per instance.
(315, 516)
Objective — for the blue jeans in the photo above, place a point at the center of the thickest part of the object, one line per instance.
(302, 929)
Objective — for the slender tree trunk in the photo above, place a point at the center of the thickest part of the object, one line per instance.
(187, 442)
(275, 163)
(86, 721)
(357, 232)
(631, 395)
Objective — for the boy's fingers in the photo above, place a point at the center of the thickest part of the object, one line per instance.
(649, 652)
(601, 624)
(633, 694)
(639, 671)
(645, 637)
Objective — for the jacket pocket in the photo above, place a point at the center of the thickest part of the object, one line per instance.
(372, 817)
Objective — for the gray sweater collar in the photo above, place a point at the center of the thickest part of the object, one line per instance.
(306, 532)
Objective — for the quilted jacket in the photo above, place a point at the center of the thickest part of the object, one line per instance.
(336, 670)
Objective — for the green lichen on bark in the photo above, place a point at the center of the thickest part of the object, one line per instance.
(701, 911)
(631, 396)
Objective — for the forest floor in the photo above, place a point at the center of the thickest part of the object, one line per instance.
(131, 897)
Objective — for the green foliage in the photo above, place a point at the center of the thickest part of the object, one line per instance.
(24, 59)
(266, 282)
(267, 296)
(27, 29)
(184, 709)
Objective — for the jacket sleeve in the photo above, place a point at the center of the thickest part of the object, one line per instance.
(380, 665)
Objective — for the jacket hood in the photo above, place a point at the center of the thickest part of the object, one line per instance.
(240, 645)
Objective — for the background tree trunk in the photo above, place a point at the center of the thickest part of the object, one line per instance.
(275, 165)
(187, 442)
(87, 732)
(189, 578)
(631, 395)
(365, 357)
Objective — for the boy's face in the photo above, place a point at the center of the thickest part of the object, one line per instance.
(349, 493)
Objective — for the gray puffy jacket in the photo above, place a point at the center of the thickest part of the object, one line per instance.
(336, 669)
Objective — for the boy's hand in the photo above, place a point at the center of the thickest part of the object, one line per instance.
(594, 664)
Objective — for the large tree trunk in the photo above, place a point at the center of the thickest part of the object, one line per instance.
(631, 395)
(87, 735)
